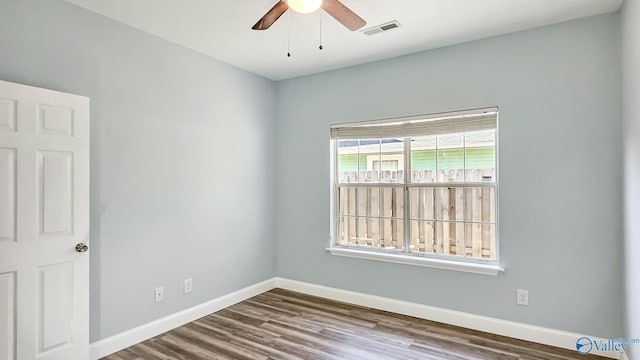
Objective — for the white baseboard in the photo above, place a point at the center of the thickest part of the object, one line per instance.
(131, 337)
(558, 338)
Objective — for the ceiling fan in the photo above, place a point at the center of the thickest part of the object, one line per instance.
(333, 7)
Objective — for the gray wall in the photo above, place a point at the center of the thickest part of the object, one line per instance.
(558, 89)
(182, 158)
(631, 115)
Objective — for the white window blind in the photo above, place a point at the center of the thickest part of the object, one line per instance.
(435, 124)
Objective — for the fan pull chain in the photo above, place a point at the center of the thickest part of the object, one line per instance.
(288, 33)
(320, 30)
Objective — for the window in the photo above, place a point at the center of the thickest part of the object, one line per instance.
(420, 190)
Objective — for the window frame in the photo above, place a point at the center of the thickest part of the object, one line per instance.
(404, 255)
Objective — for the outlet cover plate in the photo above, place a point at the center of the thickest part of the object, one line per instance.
(522, 297)
(159, 293)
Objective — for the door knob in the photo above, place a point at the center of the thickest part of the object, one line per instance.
(82, 247)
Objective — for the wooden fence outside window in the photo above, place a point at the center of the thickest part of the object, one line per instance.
(457, 220)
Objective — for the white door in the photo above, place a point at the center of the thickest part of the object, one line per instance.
(44, 213)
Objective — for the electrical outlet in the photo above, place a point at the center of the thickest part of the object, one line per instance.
(188, 285)
(159, 293)
(522, 297)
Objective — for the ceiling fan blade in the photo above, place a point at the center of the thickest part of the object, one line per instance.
(271, 16)
(343, 14)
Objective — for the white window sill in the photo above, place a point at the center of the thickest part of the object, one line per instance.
(476, 268)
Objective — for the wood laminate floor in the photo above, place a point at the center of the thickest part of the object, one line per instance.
(281, 324)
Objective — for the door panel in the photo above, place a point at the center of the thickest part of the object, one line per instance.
(7, 114)
(44, 213)
(55, 176)
(55, 305)
(7, 194)
(55, 120)
(7, 316)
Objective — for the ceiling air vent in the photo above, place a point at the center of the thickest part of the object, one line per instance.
(381, 28)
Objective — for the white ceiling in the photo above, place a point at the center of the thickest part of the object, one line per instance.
(222, 28)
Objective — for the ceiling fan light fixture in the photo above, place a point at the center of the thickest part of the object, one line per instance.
(304, 6)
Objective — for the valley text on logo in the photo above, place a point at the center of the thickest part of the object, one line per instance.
(585, 345)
